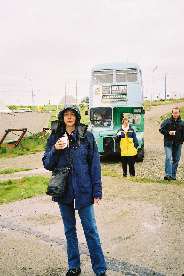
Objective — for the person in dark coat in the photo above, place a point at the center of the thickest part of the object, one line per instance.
(72, 145)
(173, 131)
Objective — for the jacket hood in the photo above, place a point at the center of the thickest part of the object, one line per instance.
(58, 126)
(73, 108)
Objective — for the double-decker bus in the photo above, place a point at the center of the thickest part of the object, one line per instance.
(115, 90)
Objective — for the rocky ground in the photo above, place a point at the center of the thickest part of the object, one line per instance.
(141, 224)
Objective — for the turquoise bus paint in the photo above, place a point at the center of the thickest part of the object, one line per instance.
(116, 89)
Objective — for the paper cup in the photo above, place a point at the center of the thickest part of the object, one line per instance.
(64, 139)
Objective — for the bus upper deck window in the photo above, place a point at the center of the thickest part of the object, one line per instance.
(103, 76)
(131, 77)
(126, 75)
(120, 77)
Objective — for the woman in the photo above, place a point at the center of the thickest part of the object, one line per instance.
(128, 147)
(84, 186)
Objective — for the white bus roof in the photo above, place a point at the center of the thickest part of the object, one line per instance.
(115, 66)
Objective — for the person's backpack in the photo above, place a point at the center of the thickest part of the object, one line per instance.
(83, 135)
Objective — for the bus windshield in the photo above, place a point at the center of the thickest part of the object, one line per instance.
(101, 116)
(134, 119)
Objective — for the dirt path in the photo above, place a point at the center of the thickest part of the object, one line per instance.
(141, 225)
(152, 122)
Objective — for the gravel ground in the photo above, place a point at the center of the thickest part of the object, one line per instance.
(141, 227)
(153, 165)
(141, 224)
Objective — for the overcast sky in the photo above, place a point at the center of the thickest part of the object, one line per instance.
(47, 43)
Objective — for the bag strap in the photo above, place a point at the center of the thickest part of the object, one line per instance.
(90, 148)
(69, 158)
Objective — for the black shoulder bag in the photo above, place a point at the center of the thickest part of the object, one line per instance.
(59, 181)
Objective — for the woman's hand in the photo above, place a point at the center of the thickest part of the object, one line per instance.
(97, 200)
(60, 144)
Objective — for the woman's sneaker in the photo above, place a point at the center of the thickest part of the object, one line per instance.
(167, 177)
(73, 272)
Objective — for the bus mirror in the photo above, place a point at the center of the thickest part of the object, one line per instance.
(86, 112)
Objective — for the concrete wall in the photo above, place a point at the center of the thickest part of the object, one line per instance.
(33, 121)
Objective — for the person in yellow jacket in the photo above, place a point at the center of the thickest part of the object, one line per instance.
(128, 146)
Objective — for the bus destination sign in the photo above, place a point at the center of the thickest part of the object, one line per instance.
(116, 93)
(119, 89)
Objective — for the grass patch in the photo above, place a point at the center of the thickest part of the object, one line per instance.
(151, 180)
(168, 115)
(28, 145)
(111, 169)
(12, 170)
(149, 104)
(114, 173)
(27, 187)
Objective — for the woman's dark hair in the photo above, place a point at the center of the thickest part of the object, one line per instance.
(61, 128)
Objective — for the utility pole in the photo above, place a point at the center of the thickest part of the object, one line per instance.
(165, 86)
(155, 68)
(65, 92)
(76, 91)
(32, 96)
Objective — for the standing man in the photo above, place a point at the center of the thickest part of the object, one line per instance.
(173, 131)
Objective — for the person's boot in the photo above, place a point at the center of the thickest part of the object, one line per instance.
(167, 177)
(73, 272)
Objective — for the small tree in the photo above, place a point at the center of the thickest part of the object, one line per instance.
(85, 100)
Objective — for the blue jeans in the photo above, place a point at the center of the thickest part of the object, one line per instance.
(88, 222)
(173, 154)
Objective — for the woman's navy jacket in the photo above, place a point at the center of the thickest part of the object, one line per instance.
(84, 181)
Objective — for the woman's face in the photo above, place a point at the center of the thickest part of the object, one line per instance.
(125, 121)
(69, 118)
